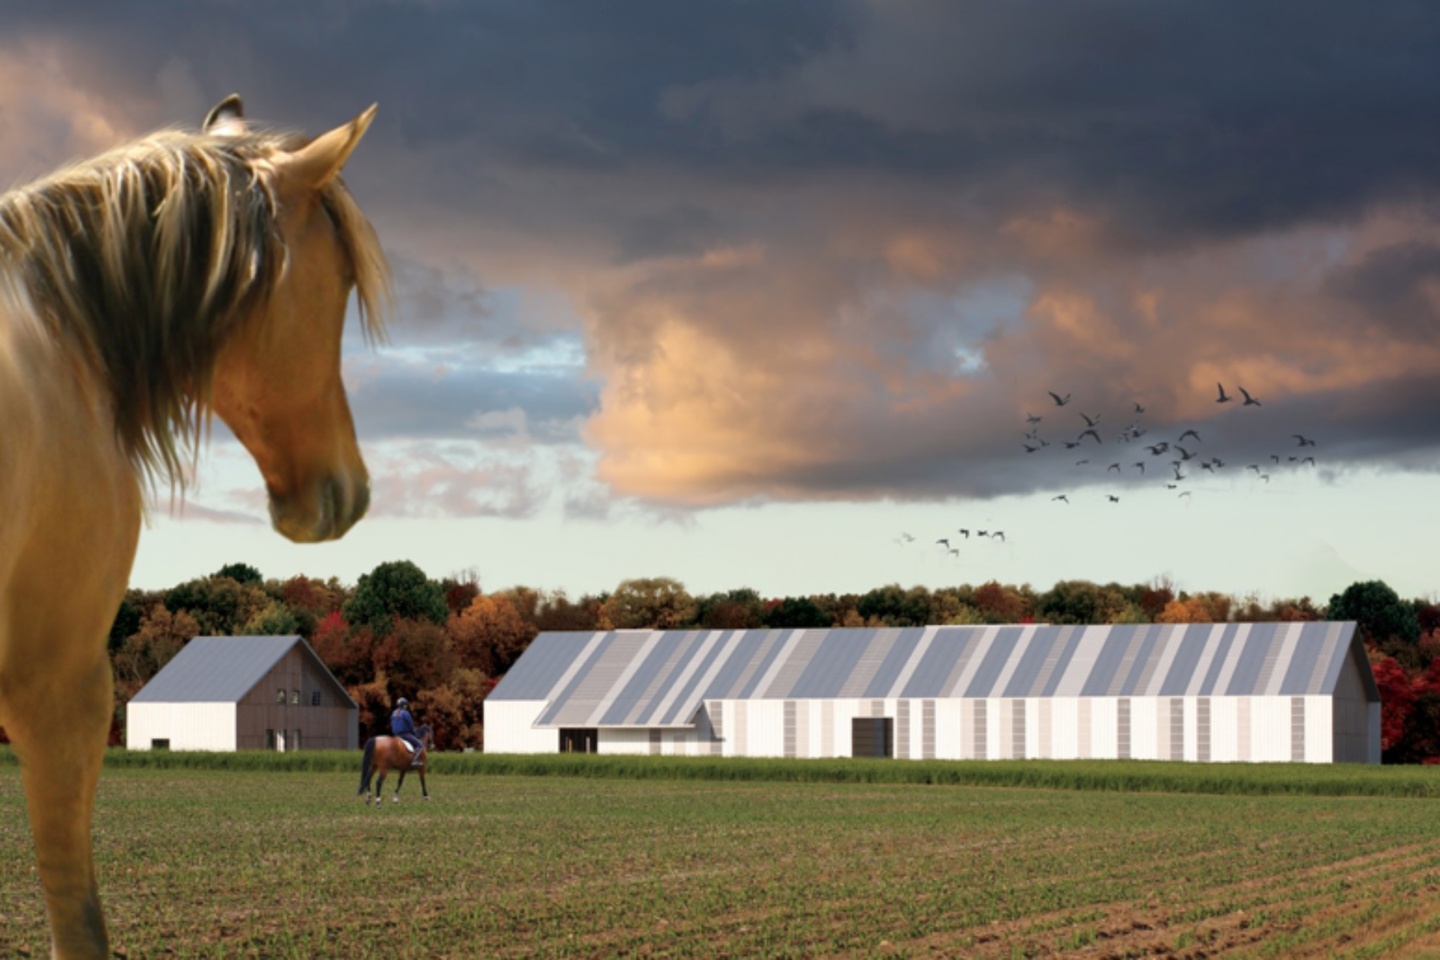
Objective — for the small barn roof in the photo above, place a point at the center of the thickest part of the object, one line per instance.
(645, 678)
(225, 669)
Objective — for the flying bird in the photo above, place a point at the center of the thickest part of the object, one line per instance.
(943, 542)
(964, 533)
(1304, 441)
(998, 535)
(1222, 398)
(1089, 421)
(1253, 466)
(1140, 464)
(906, 538)
(1184, 493)
(1090, 433)
(1113, 498)
(1031, 418)
(1059, 400)
(1079, 463)
(1113, 466)
(1249, 400)
(1158, 449)
(1275, 457)
(1028, 448)
(1138, 408)
(1062, 497)
(1184, 454)
(1178, 475)
(982, 533)
(1189, 433)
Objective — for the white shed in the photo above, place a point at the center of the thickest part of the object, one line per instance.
(243, 693)
(1198, 691)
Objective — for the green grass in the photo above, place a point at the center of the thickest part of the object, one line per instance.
(1126, 776)
(265, 855)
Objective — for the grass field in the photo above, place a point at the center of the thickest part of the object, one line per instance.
(662, 860)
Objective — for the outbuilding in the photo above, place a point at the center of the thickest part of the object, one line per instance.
(1197, 691)
(243, 693)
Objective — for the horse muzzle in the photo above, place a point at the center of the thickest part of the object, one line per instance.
(327, 510)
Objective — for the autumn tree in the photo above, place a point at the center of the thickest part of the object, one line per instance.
(415, 654)
(489, 635)
(456, 710)
(558, 612)
(655, 603)
(160, 636)
(395, 590)
(1001, 604)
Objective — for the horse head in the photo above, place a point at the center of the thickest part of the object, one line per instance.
(277, 380)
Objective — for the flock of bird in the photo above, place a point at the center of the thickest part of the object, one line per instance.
(1171, 460)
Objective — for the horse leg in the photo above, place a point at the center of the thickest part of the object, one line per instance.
(423, 792)
(399, 783)
(58, 726)
(379, 783)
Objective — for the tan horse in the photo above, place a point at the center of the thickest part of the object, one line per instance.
(181, 275)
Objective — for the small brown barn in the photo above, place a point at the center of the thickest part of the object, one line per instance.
(243, 693)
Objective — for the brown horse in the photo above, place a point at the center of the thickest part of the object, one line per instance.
(176, 277)
(383, 754)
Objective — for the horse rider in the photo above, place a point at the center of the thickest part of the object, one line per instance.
(402, 725)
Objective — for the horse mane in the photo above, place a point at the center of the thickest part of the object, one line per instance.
(145, 260)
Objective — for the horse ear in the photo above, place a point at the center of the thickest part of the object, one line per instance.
(314, 165)
(226, 118)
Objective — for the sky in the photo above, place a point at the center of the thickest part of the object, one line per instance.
(755, 294)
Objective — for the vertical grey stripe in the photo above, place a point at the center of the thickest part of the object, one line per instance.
(1017, 721)
(927, 729)
(1202, 729)
(980, 729)
(902, 729)
(1177, 728)
(717, 724)
(1297, 729)
(1122, 732)
(802, 728)
(789, 728)
(655, 736)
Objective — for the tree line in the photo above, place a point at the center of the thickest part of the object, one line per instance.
(444, 643)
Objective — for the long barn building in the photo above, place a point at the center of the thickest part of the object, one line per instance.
(1206, 692)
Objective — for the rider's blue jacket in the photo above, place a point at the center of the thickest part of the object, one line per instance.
(401, 722)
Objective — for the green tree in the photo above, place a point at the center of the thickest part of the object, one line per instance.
(733, 610)
(1384, 619)
(656, 603)
(220, 605)
(240, 573)
(795, 612)
(126, 622)
(395, 590)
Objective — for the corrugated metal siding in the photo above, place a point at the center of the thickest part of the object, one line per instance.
(660, 678)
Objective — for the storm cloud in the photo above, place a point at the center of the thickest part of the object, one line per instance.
(737, 252)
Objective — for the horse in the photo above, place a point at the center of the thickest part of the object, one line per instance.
(383, 754)
(179, 277)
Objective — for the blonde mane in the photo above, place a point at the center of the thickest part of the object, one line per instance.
(146, 258)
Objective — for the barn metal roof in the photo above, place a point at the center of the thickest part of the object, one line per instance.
(224, 669)
(645, 678)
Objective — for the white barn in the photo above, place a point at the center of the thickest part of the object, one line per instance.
(243, 693)
(1200, 691)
